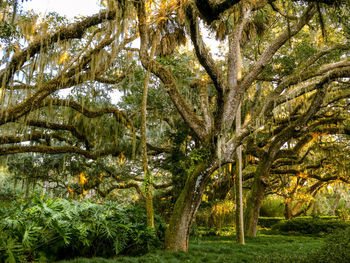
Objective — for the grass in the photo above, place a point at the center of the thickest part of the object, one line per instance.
(264, 248)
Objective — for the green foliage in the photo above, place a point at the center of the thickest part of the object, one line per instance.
(272, 207)
(58, 229)
(310, 226)
(224, 249)
(343, 214)
(216, 215)
(336, 248)
(268, 222)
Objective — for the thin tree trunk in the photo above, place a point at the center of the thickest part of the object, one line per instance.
(15, 184)
(239, 194)
(336, 203)
(315, 209)
(27, 188)
(146, 171)
(239, 199)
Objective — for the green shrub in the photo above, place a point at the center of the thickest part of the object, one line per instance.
(220, 214)
(310, 226)
(342, 213)
(336, 248)
(272, 207)
(211, 231)
(268, 222)
(57, 229)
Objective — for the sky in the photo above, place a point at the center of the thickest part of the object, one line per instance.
(68, 8)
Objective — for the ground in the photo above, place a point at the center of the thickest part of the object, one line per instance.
(264, 248)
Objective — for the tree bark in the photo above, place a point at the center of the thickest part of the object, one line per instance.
(256, 197)
(239, 199)
(239, 194)
(146, 171)
(288, 214)
(253, 207)
(178, 232)
(27, 188)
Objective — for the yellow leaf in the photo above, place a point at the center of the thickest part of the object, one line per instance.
(100, 177)
(77, 116)
(82, 179)
(121, 159)
(64, 57)
(247, 117)
(205, 198)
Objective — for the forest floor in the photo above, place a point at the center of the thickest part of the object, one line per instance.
(216, 249)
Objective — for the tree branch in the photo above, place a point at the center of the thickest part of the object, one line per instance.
(167, 78)
(76, 30)
(57, 150)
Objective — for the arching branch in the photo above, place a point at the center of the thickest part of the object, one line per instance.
(76, 30)
(58, 149)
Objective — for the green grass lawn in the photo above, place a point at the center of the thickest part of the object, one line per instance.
(264, 248)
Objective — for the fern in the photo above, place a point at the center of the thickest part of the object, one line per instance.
(53, 229)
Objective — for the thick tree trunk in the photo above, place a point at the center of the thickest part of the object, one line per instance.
(257, 194)
(177, 234)
(253, 207)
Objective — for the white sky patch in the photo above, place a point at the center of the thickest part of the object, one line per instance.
(68, 8)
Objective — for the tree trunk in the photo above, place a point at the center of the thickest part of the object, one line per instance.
(253, 207)
(27, 188)
(146, 171)
(238, 186)
(177, 234)
(288, 209)
(239, 194)
(239, 203)
(315, 209)
(336, 203)
(257, 194)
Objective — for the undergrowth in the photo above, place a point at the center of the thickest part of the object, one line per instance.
(46, 230)
(221, 249)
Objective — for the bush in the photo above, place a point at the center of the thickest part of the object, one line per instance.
(342, 214)
(336, 248)
(310, 226)
(48, 230)
(220, 214)
(272, 207)
(268, 222)
(197, 232)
